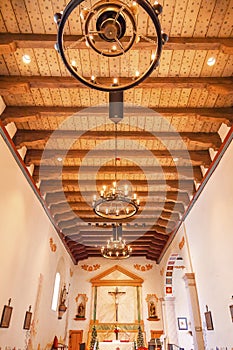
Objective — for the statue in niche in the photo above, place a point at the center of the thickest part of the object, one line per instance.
(81, 311)
(81, 300)
(152, 301)
(152, 312)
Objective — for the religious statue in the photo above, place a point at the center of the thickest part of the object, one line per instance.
(116, 295)
(152, 301)
(80, 311)
(152, 310)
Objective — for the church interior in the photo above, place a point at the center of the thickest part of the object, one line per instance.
(116, 189)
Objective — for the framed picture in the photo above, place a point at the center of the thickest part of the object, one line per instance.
(182, 323)
(231, 311)
(6, 316)
(208, 320)
(27, 320)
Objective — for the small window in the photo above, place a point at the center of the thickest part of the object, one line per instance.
(56, 291)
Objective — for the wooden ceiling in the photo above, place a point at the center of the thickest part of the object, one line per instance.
(165, 144)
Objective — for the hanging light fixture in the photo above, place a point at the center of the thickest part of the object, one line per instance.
(111, 31)
(116, 203)
(116, 247)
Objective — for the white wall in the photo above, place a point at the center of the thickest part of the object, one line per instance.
(209, 240)
(27, 264)
(210, 235)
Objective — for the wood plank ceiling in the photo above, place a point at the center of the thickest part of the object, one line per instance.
(165, 146)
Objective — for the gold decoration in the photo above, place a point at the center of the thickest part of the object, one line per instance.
(71, 273)
(161, 271)
(182, 242)
(146, 267)
(52, 245)
(90, 268)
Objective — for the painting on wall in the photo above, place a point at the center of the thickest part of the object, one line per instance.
(6, 315)
(231, 311)
(208, 320)
(27, 319)
(182, 323)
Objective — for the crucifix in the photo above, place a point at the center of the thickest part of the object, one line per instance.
(116, 295)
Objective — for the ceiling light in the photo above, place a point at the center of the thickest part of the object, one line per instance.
(115, 27)
(115, 203)
(211, 61)
(116, 248)
(26, 59)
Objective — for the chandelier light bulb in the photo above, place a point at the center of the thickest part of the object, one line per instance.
(115, 81)
(73, 63)
(153, 56)
(137, 74)
(26, 59)
(211, 61)
(114, 48)
(94, 198)
(135, 196)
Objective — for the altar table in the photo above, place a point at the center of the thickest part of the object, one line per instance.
(116, 344)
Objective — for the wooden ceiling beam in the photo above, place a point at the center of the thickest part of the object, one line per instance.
(133, 232)
(157, 228)
(101, 237)
(55, 189)
(198, 157)
(11, 41)
(170, 207)
(73, 222)
(33, 113)
(30, 138)
(13, 84)
(47, 172)
(177, 197)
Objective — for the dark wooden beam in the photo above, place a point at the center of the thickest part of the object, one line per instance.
(10, 42)
(34, 156)
(47, 172)
(30, 138)
(55, 193)
(172, 207)
(33, 113)
(13, 84)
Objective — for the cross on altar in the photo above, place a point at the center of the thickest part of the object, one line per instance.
(116, 295)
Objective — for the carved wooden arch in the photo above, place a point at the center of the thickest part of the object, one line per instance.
(131, 280)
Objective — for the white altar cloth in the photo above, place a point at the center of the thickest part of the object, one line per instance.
(116, 344)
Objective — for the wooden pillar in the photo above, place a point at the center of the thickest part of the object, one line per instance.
(95, 304)
(138, 304)
(194, 311)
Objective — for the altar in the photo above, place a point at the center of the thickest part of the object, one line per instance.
(116, 344)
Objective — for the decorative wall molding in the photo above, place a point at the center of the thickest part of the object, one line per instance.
(90, 268)
(53, 246)
(146, 267)
(161, 271)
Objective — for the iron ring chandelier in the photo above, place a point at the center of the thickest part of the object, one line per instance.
(111, 30)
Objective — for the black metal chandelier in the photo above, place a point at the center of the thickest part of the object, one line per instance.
(116, 248)
(111, 31)
(117, 202)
